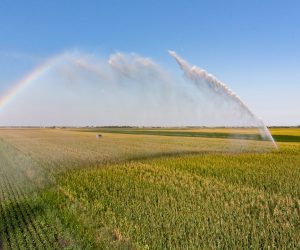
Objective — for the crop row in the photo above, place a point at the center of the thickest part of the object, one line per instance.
(23, 225)
(20, 228)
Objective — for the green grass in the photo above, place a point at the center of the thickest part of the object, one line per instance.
(66, 189)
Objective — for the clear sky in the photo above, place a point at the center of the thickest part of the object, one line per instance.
(252, 46)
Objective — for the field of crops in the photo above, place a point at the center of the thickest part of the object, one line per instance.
(149, 189)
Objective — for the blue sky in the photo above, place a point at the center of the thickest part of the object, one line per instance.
(252, 46)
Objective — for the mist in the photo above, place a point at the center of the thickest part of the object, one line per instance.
(125, 89)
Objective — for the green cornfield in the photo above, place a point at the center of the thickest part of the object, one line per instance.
(149, 189)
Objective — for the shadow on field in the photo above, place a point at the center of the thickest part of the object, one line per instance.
(17, 216)
(188, 153)
(23, 227)
(167, 154)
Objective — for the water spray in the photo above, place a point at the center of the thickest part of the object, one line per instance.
(201, 77)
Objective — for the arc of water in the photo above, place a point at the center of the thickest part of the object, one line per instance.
(196, 74)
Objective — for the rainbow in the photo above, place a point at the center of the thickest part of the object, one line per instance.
(20, 85)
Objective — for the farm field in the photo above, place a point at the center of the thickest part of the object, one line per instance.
(149, 189)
